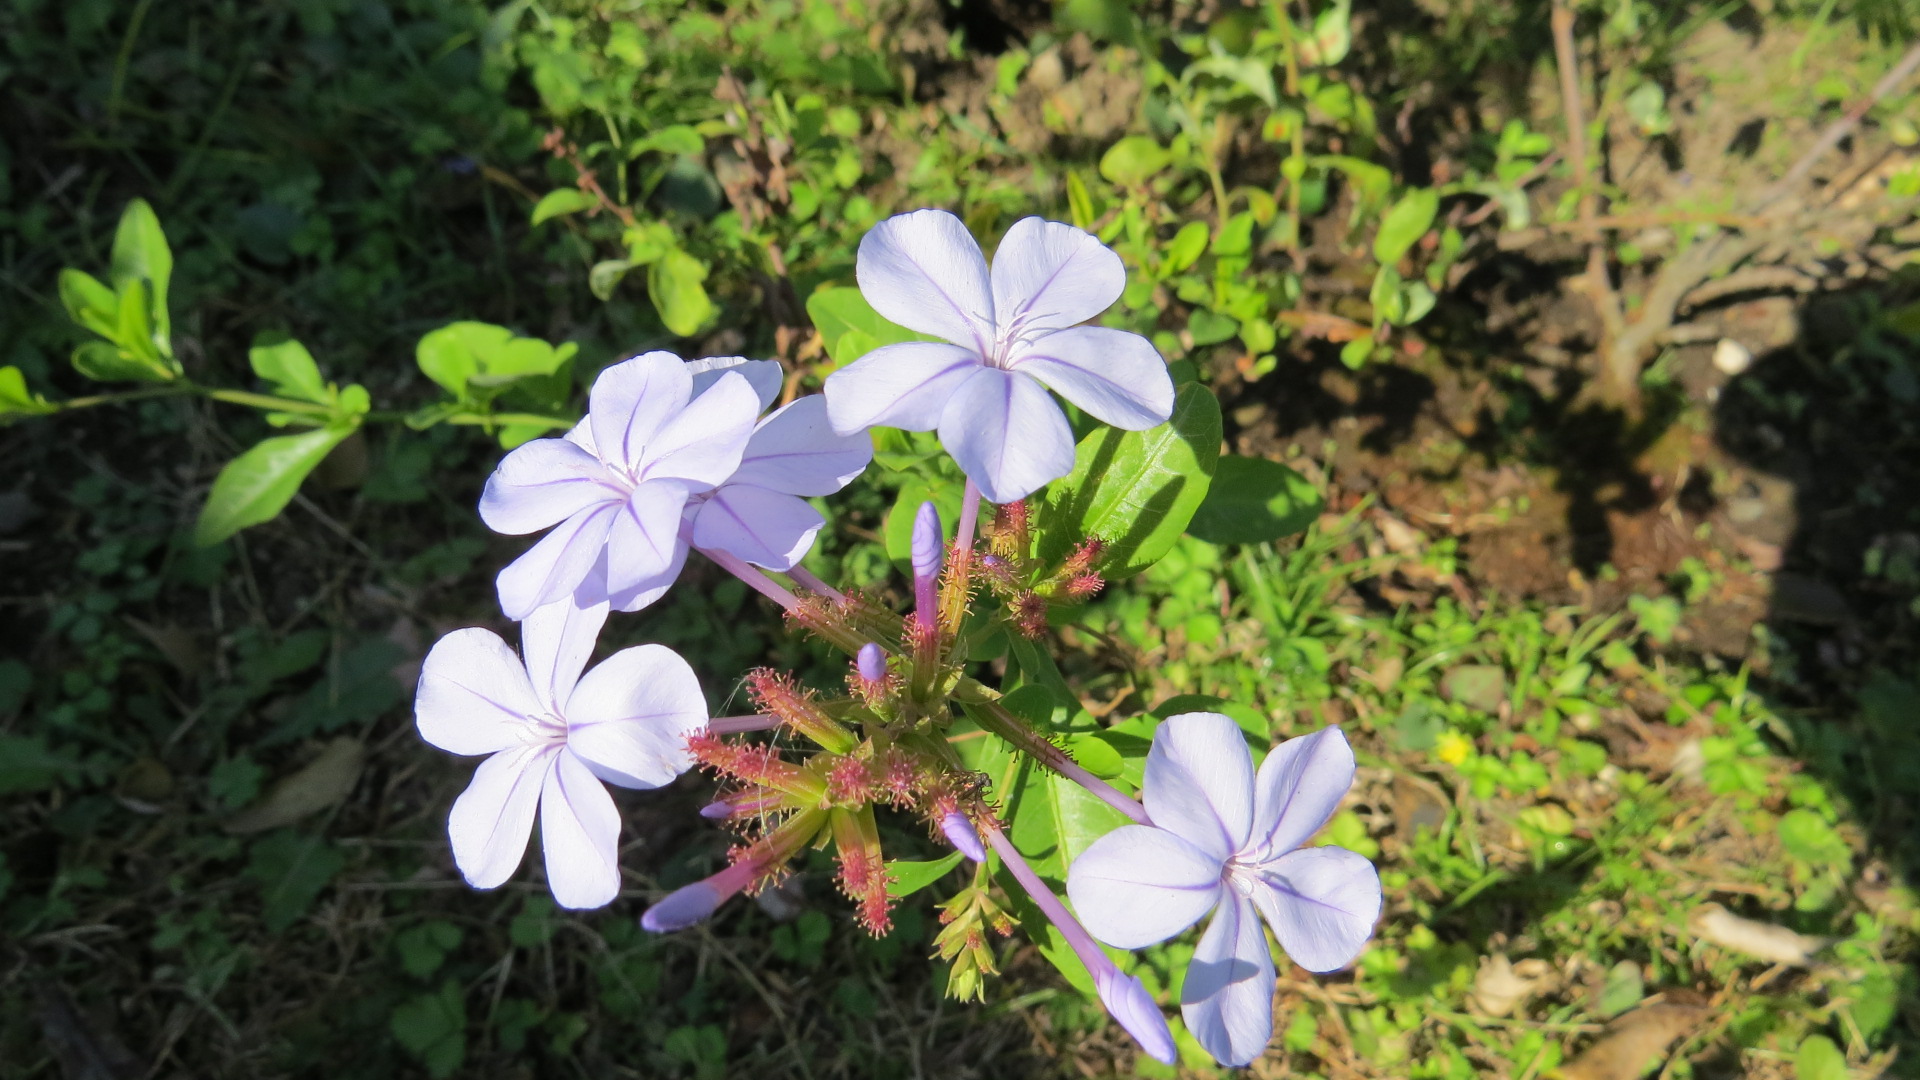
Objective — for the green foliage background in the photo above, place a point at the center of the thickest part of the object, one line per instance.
(382, 182)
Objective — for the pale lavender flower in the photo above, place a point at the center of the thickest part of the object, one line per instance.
(1223, 838)
(871, 662)
(617, 485)
(554, 736)
(669, 456)
(1014, 333)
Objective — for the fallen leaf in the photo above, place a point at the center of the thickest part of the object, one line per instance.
(1764, 941)
(1502, 986)
(325, 781)
(1635, 1043)
(179, 645)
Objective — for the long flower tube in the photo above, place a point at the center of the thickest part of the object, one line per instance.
(1124, 995)
(692, 904)
(1000, 720)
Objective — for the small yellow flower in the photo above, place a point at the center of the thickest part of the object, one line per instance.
(1453, 748)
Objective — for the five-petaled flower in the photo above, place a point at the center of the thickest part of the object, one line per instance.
(1225, 838)
(554, 736)
(1014, 333)
(669, 455)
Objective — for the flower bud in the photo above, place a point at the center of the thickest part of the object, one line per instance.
(871, 662)
(683, 907)
(1127, 999)
(961, 834)
(928, 549)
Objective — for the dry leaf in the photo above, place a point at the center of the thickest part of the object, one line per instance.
(1402, 538)
(179, 645)
(1635, 1043)
(321, 784)
(1764, 941)
(1501, 986)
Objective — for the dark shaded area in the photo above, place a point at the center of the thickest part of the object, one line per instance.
(1832, 414)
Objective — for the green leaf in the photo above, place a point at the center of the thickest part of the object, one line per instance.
(289, 368)
(26, 764)
(1819, 1059)
(910, 877)
(677, 140)
(1806, 836)
(17, 400)
(1624, 988)
(292, 869)
(105, 362)
(850, 328)
(1186, 247)
(134, 330)
(674, 283)
(433, 1028)
(475, 361)
(1331, 38)
(561, 201)
(91, 305)
(140, 253)
(1210, 327)
(606, 276)
(425, 947)
(1405, 224)
(1135, 490)
(1252, 723)
(1252, 501)
(1134, 160)
(258, 484)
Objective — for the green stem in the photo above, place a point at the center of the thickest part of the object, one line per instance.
(486, 419)
(129, 395)
(263, 401)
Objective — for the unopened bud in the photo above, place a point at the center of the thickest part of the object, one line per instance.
(682, 908)
(928, 548)
(1127, 999)
(871, 663)
(961, 834)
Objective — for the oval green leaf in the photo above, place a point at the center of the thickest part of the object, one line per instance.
(258, 484)
(561, 201)
(1405, 224)
(1135, 490)
(1253, 501)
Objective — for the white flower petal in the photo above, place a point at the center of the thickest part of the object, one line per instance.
(552, 568)
(491, 820)
(1322, 904)
(1047, 274)
(642, 592)
(1300, 787)
(1227, 998)
(631, 400)
(1117, 377)
(766, 528)
(581, 435)
(702, 445)
(797, 451)
(1006, 434)
(580, 834)
(541, 484)
(644, 534)
(924, 271)
(906, 386)
(765, 376)
(630, 717)
(473, 696)
(1139, 885)
(557, 639)
(1199, 782)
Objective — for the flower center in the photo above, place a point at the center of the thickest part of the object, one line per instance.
(546, 727)
(1242, 876)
